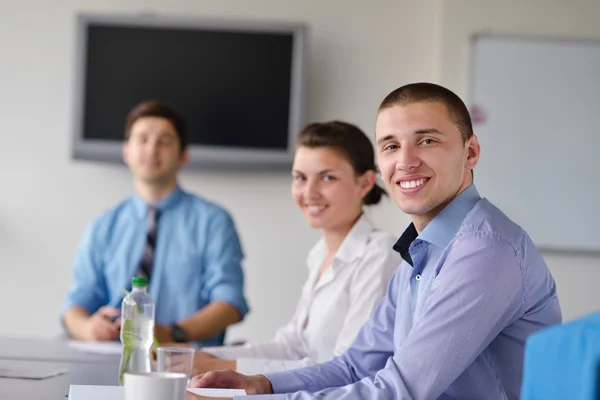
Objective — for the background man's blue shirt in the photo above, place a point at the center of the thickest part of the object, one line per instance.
(197, 258)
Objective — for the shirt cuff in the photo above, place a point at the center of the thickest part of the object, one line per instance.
(79, 301)
(235, 299)
(284, 382)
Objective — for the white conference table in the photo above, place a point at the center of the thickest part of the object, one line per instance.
(25, 353)
(82, 369)
(56, 350)
(57, 387)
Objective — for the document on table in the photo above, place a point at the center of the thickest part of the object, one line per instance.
(91, 392)
(217, 392)
(31, 372)
(96, 347)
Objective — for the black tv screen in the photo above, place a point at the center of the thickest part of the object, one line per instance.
(239, 84)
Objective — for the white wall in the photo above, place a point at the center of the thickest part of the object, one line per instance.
(577, 276)
(359, 51)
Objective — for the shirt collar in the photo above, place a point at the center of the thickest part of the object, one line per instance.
(352, 247)
(443, 227)
(403, 244)
(172, 199)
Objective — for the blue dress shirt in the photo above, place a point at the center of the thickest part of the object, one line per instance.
(197, 258)
(563, 362)
(454, 321)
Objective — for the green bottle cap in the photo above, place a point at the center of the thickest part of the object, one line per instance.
(139, 282)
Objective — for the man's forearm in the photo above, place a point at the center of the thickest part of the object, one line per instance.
(333, 373)
(75, 319)
(210, 321)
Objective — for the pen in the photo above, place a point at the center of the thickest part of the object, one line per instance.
(112, 319)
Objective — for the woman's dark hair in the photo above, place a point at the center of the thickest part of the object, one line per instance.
(351, 142)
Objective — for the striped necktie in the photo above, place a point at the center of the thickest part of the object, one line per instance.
(150, 246)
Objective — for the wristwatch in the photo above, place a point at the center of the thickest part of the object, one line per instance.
(178, 334)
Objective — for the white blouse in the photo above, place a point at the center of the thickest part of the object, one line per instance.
(330, 311)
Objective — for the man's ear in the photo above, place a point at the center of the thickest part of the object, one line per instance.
(473, 151)
(184, 158)
(367, 181)
(125, 151)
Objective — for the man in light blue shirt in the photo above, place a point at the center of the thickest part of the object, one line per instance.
(470, 291)
(186, 246)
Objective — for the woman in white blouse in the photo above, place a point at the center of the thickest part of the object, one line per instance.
(349, 268)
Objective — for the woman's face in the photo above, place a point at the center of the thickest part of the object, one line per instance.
(327, 189)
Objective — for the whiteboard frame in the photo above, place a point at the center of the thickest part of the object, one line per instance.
(548, 249)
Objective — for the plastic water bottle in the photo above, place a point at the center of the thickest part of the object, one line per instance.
(137, 329)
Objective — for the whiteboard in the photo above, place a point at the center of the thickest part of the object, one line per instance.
(535, 105)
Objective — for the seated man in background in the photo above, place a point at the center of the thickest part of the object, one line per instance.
(471, 289)
(186, 246)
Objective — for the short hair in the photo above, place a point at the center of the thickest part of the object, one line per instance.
(351, 142)
(430, 92)
(155, 108)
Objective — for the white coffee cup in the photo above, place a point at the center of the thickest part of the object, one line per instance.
(155, 386)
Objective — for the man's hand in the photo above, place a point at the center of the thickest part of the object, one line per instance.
(167, 344)
(255, 384)
(174, 344)
(204, 362)
(100, 325)
(203, 354)
(162, 333)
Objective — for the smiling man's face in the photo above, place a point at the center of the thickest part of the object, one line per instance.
(423, 158)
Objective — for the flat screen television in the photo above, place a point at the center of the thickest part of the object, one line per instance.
(240, 84)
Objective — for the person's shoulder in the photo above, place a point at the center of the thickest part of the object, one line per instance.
(101, 227)
(381, 240)
(486, 220)
(111, 215)
(205, 207)
(381, 246)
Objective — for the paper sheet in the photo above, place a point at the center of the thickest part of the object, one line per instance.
(91, 392)
(218, 392)
(96, 347)
(32, 372)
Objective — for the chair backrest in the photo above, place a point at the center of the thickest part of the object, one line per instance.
(563, 362)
